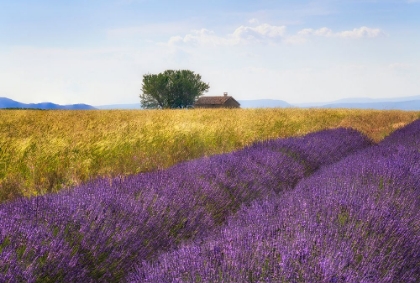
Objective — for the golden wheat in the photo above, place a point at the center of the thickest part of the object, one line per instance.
(44, 151)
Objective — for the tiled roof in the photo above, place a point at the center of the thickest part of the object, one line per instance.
(215, 100)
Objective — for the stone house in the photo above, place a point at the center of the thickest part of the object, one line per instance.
(224, 101)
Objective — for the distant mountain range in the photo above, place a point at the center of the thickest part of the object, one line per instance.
(400, 103)
(9, 103)
(264, 103)
(409, 103)
(397, 103)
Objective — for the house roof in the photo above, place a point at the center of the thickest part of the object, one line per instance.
(214, 100)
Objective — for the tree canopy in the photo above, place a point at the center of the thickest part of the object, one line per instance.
(171, 89)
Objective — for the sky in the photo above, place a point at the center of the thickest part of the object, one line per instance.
(97, 51)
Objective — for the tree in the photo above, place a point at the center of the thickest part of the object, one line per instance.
(171, 89)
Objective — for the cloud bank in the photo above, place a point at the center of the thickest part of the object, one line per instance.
(362, 32)
(241, 35)
(266, 33)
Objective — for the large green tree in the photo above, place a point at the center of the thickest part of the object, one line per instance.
(171, 89)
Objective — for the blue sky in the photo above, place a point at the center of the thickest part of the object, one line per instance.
(97, 51)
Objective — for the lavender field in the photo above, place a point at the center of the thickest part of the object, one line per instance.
(330, 206)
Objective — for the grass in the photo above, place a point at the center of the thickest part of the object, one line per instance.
(45, 151)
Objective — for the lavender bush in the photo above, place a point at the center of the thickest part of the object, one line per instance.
(94, 233)
(354, 221)
(408, 136)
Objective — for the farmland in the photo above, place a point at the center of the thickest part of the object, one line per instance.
(315, 202)
(45, 151)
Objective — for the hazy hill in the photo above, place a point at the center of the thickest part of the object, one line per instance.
(9, 103)
(263, 103)
(372, 100)
(399, 105)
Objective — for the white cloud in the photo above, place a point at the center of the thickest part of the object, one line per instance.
(175, 39)
(241, 35)
(361, 32)
(324, 32)
(201, 37)
(262, 31)
(266, 33)
(319, 32)
(253, 21)
(306, 31)
(357, 33)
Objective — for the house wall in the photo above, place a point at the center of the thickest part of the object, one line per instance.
(230, 103)
(207, 106)
(226, 105)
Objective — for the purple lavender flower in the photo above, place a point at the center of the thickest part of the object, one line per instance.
(97, 231)
(356, 220)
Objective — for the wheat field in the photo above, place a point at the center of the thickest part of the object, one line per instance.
(46, 151)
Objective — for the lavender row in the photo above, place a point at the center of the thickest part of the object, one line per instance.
(408, 136)
(354, 221)
(94, 232)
